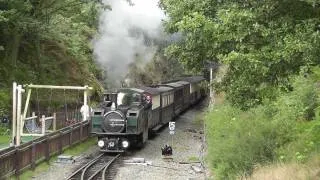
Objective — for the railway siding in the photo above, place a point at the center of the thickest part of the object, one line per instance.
(16, 159)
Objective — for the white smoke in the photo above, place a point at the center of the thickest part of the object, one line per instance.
(118, 45)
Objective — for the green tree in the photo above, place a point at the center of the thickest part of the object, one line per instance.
(48, 42)
(261, 42)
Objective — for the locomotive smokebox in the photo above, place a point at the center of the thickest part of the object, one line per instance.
(114, 121)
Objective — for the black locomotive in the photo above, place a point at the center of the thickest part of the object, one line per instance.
(127, 116)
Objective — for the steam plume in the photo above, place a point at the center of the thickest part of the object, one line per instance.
(126, 32)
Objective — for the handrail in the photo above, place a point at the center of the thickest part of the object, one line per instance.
(48, 118)
(29, 118)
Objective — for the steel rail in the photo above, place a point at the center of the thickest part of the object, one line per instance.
(83, 175)
(104, 168)
(107, 166)
(85, 166)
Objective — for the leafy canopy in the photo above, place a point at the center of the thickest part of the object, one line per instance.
(261, 42)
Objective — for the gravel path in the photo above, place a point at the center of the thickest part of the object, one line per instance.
(187, 145)
(185, 163)
(63, 170)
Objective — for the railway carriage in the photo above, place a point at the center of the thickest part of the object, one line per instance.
(166, 103)
(195, 88)
(126, 117)
(186, 94)
(177, 96)
(154, 94)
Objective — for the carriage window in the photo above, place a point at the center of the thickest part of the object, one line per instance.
(155, 102)
(165, 100)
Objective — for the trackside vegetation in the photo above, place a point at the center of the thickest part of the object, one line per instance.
(270, 48)
(281, 131)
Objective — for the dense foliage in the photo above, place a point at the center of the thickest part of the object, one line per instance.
(270, 49)
(262, 42)
(47, 42)
(282, 130)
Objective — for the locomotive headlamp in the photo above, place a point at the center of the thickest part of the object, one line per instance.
(101, 143)
(125, 144)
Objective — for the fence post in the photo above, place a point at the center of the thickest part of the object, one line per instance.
(46, 149)
(43, 125)
(33, 155)
(17, 163)
(60, 142)
(54, 122)
(14, 113)
(70, 137)
(81, 131)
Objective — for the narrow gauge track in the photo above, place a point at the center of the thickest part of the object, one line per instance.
(95, 169)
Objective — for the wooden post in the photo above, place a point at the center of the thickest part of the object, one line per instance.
(17, 162)
(46, 149)
(19, 117)
(60, 142)
(70, 137)
(14, 113)
(54, 122)
(85, 103)
(33, 155)
(43, 125)
(81, 131)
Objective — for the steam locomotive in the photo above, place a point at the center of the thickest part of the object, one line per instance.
(127, 116)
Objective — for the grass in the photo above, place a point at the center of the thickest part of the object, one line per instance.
(44, 166)
(4, 141)
(193, 159)
(293, 171)
(80, 148)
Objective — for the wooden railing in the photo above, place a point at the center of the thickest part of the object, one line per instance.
(14, 160)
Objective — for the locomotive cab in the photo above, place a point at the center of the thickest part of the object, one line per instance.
(121, 120)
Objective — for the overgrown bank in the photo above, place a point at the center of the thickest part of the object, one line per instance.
(46, 42)
(285, 130)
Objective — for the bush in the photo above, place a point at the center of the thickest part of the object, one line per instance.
(238, 140)
(4, 102)
(277, 130)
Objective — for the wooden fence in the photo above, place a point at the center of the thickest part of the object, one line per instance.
(14, 160)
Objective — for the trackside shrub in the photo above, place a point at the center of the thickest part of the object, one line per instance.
(280, 130)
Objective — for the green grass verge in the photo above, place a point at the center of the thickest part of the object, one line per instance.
(4, 141)
(44, 166)
(80, 148)
(193, 159)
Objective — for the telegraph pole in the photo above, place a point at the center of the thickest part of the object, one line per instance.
(211, 65)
